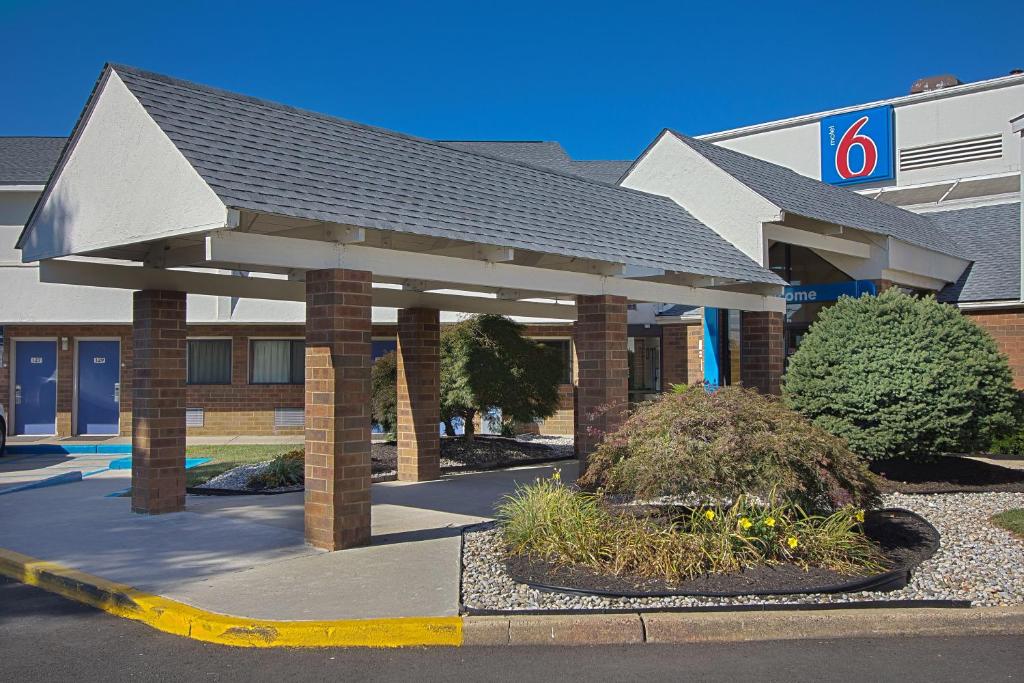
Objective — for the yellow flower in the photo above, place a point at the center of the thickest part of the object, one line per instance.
(745, 523)
(710, 514)
(557, 476)
(769, 521)
(859, 516)
(792, 542)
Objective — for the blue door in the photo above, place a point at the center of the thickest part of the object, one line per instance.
(99, 377)
(35, 387)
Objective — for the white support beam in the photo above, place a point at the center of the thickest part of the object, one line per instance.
(91, 274)
(344, 235)
(813, 240)
(161, 255)
(478, 252)
(262, 251)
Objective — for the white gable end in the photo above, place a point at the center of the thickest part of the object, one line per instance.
(122, 182)
(727, 206)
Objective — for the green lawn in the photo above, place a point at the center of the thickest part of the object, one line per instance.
(227, 457)
(1011, 520)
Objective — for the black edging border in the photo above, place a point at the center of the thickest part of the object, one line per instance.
(465, 609)
(469, 469)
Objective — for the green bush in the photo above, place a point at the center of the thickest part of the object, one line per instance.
(721, 445)
(898, 376)
(383, 392)
(550, 521)
(284, 470)
(1011, 444)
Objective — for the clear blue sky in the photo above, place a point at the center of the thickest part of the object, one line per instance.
(602, 79)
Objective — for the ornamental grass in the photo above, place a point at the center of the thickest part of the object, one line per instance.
(550, 521)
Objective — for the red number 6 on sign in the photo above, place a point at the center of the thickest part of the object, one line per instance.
(852, 138)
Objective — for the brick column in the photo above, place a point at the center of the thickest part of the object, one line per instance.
(762, 351)
(338, 320)
(674, 355)
(419, 394)
(602, 372)
(158, 402)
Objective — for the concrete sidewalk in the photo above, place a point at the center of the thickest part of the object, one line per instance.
(245, 555)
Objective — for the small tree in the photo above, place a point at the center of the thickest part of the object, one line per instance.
(899, 376)
(487, 363)
(383, 392)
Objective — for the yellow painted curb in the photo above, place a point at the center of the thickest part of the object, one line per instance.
(180, 619)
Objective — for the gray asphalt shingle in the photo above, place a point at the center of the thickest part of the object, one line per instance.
(990, 236)
(812, 198)
(546, 154)
(28, 160)
(271, 158)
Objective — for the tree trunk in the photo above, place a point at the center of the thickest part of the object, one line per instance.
(449, 428)
(470, 427)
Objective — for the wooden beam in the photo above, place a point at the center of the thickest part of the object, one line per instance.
(115, 276)
(280, 252)
(813, 240)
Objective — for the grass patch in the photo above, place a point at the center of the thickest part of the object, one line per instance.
(550, 521)
(1011, 520)
(229, 457)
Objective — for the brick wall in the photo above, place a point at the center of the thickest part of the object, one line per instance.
(674, 355)
(694, 354)
(762, 356)
(1007, 327)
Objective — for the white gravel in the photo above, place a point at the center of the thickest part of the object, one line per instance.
(977, 561)
(236, 479)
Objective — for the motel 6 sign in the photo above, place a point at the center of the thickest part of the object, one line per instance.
(857, 147)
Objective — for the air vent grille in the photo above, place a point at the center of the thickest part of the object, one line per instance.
(289, 417)
(945, 153)
(194, 417)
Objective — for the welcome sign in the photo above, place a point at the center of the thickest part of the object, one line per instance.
(858, 147)
(813, 294)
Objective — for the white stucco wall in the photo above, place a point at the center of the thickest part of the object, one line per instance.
(124, 182)
(671, 169)
(950, 116)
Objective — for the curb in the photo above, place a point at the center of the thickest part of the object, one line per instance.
(624, 628)
(708, 627)
(180, 619)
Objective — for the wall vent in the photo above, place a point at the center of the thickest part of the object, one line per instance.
(194, 417)
(289, 417)
(945, 153)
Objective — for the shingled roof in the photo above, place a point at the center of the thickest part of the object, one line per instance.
(814, 199)
(546, 154)
(267, 157)
(990, 236)
(28, 160)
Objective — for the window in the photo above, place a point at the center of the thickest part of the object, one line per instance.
(209, 361)
(564, 347)
(277, 361)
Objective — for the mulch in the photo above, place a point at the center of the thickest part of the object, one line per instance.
(485, 452)
(904, 539)
(947, 474)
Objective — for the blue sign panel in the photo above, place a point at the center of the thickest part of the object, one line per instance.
(712, 347)
(858, 147)
(813, 294)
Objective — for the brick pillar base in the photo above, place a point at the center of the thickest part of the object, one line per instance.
(337, 508)
(419, 394)
(602, 391)
(158, 402)
(762, 351)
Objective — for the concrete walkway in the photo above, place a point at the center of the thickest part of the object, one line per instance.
(242, 439)
(245, 555)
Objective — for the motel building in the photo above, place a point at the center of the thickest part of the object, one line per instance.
(194, 261)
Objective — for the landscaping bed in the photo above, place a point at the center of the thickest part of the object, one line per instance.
(457, 455)
(948, 474)
(977, 562)
(905, 539)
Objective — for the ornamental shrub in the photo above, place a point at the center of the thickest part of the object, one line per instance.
(383, 392)
(899, 376)
(714, 447)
